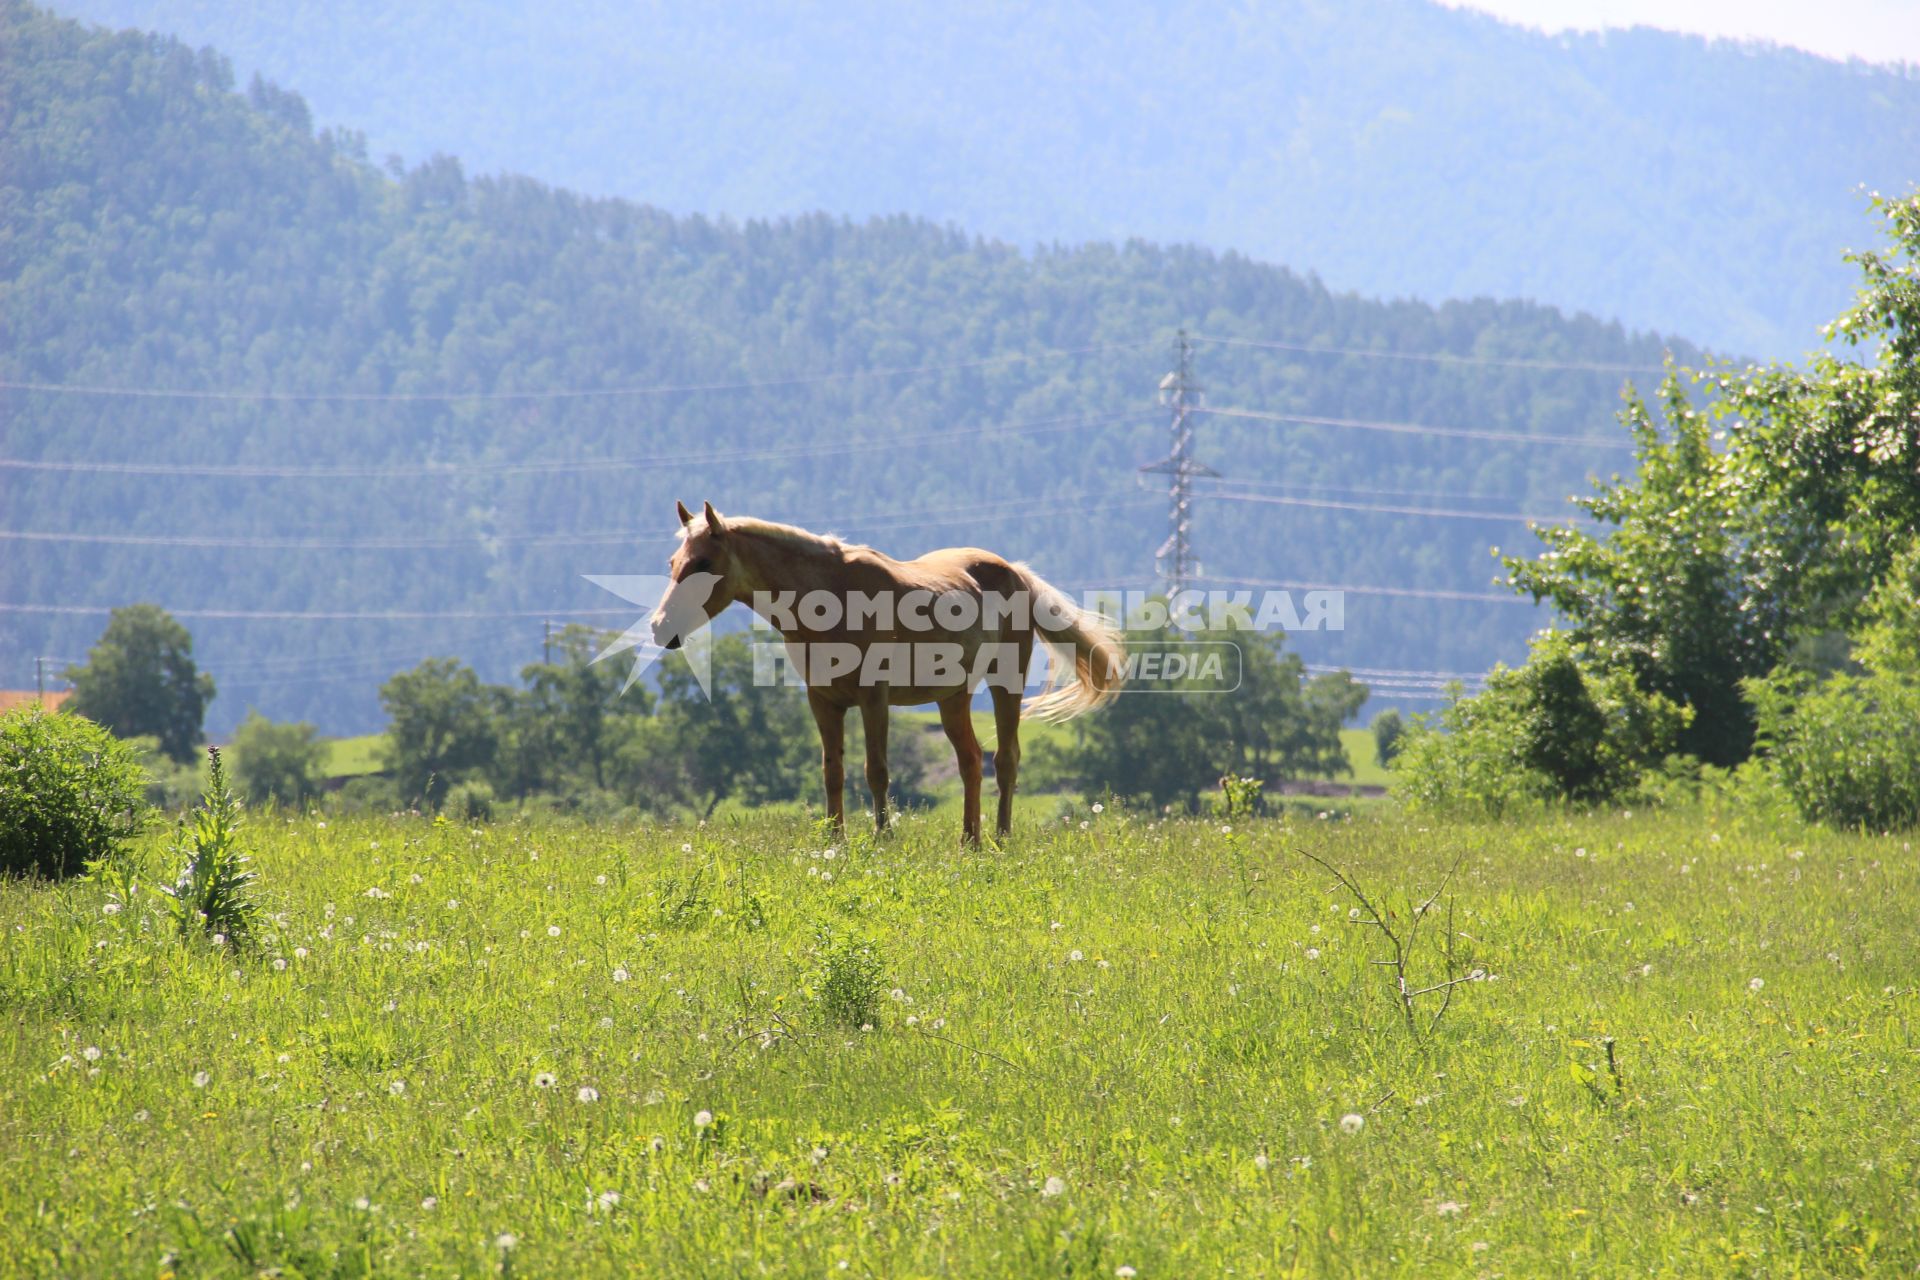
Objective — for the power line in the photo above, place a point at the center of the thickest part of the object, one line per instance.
(1511, 362)
(562, 393)
(879, 521)
(1354, 589)
(1277, 500)
(351, 471)
(1418, 429)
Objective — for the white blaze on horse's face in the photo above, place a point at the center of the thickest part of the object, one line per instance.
(699, 573)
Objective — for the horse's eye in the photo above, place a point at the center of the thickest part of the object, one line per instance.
(700, 566)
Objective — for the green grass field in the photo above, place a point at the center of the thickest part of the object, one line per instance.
(355, 757)
(573, 1050)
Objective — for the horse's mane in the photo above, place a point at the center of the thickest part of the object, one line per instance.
(792, 536)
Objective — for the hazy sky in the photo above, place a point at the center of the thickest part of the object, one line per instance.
(1878, 30)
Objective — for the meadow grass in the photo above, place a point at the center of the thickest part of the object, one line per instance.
(355, 757)
(565, 1049)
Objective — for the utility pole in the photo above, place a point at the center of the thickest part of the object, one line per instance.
(1174, 561)
(40, 681)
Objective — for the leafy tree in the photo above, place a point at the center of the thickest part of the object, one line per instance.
(69, 792)
(140, 678)
(1388, 731)
(1560, 728)
(747, 741)
(1723, 561)
(570, 720)
(444, 726)
(1169, 742)
(283, 762)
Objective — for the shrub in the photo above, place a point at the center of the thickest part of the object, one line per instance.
(69, 793)
(281, 762)
(1389, 731)
(211, 896)
(470, 802)
(1556, 729)
(1846, 750)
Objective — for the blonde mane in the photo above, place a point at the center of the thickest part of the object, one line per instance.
(790, 536)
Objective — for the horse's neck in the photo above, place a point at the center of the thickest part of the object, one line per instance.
(775, 565)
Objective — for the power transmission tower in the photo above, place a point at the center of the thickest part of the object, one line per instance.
(1174, 561)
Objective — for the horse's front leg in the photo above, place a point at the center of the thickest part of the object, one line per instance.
(832, 723)
(873, 719)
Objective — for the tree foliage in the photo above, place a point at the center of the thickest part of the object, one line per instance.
(1561, 728)
(1781, 509)
(140, 679)
(1166, 742)
(283, 762)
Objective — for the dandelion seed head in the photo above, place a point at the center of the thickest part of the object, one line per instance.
(701, 1119)
(1352, 1122)
(1054, 1186)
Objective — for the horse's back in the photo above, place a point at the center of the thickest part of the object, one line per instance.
(951, 565)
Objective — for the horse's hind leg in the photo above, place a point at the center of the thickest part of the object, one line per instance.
(873, 720)
(1006, 753)
(956, 717)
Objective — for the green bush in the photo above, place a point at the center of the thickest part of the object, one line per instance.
(1847, 750)
(1556, 729)
(69, 793)
(1389, 731)
(283, 762)
(470, 802)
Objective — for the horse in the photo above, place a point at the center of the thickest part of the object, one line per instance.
(851, 618)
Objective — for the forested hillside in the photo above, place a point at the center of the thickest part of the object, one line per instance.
(1394, 146)
(338, 418)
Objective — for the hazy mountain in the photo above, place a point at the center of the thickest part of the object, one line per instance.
(1392, 146)
(372, 417)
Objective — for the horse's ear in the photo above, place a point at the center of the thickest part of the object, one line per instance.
(716, 527)
(686, 516)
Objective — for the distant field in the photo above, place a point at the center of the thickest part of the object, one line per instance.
(353, 757)
(563, 1049)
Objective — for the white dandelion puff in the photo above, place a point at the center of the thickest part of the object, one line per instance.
(544, 1080)
(701, 1119)
(1054, 1186)
(587, 1093)
(397, 1087)
(201, 1079)
(1352, 1122)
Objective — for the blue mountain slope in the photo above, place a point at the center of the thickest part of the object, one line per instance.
(1392, 146)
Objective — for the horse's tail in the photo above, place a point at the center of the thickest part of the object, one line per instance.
(1089, 660)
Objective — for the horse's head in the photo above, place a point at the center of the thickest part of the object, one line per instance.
(699, 570)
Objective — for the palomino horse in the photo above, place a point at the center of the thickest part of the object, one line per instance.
(865, 630)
